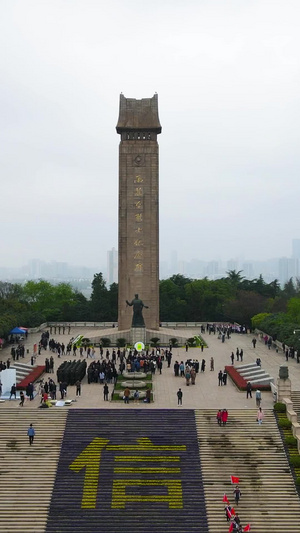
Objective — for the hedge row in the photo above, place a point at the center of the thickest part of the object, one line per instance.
(71, 371)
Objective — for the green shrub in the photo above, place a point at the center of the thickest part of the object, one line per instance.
(105, 341)
(291, 441)
(284, 423)
(295, 461)
(280, 407)
(174, 341)
(191, 341)
(154, 341)
(298, 481)
(121, 342)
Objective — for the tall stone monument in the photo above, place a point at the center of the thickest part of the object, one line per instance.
(138, 126)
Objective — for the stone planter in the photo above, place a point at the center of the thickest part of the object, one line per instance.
(134, 384)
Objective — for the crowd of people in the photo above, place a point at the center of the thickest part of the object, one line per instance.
(231, 515)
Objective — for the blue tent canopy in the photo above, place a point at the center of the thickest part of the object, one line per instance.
(17, 331)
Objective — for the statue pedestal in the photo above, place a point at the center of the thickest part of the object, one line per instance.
(137, 335)
(284, 387)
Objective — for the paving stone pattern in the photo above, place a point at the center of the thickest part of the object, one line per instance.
(125, 495)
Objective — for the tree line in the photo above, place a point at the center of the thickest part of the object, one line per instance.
(232, 299)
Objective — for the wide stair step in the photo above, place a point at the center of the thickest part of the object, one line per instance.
(256, 455)
(28, 472)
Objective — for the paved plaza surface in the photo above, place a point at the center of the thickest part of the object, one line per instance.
(204, 394)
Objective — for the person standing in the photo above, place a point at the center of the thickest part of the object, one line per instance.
(203, 365)
(179, 396)
(249, 390)
(260, 416)
(220, 378)
(237, 354)
(212, 364)
(232, 358)
(224, 377)
(78, 388)
(105, 392)
(224, 417)
(193, 376)
(241, 354)
(126, 395)
(31, 434)
(254, 342)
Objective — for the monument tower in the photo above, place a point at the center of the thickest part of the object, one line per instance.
(138, 126)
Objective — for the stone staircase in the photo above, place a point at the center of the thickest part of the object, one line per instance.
(22, 370)
(256, 455)
(255, 374)
(295, 397)
(28, 472)
(112, 470)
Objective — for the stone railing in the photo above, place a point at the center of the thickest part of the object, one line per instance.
(292, 416)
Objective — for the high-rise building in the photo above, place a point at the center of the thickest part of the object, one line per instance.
(112, 266)
(288, 268)
(296, 248)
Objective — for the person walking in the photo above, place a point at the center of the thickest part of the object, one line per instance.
(22, 398)
(219, 417)
(249, 390)
(179, 396)
(105, 392)
(232, 358)
(212, 364)
(13, 391)
(260, 416)
(31, 434)
(224, 377)
(237, 494)
(258, 398)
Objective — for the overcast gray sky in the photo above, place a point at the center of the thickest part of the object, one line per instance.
(227, 75)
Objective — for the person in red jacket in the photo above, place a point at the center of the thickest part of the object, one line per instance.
(224, 416)
(219, 417)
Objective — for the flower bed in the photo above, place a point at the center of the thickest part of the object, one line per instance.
(37, 371)
(241, 383)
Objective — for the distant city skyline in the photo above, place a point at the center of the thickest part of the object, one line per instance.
(281, 268)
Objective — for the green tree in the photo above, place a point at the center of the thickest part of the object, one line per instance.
(99, 299)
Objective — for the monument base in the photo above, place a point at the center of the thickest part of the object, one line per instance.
(283, 389)
(137, 335)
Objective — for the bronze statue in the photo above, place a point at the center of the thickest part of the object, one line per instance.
(137, 317)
